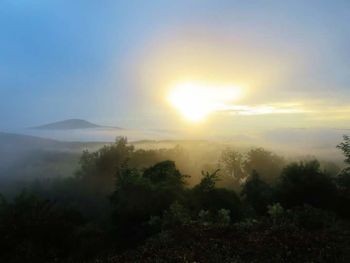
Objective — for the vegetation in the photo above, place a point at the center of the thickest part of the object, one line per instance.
(127, 205)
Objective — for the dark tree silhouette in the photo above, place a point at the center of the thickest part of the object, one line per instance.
(345, 148)
(267, 164)
(33, 229)
(304, 183)
(139, 196)
(257, 194)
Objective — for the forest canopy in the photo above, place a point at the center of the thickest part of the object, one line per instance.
(121, 198)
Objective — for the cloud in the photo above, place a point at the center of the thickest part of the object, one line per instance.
(287, 108)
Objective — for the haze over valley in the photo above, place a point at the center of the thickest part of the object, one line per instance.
(174, 131)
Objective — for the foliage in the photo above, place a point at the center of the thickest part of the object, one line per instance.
(267, 164)
(275, 211)
(206, 197)
(304, 183)
(138, 196)
(204, 217)
(257, 194)
(265, 242)
(176, 215)
(33, 229)
(345, 148)
(223, 217)
(232, 162)
(97, 169)
(124, 199)
(208, 181)
(343, 182)
(312, 218)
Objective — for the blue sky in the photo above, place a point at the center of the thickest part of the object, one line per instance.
(107, 61)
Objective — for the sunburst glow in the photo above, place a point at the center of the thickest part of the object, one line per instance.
(195, 101)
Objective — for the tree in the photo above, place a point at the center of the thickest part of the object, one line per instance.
(98, 169)
(176, 215)
(34, 229)
(257, 194)
(345, 148)
(140, 196)
(304, 183)
(208, 181)
(206, 197)
(267, 164)
(164, 172)
(232, 162)
(343, 179)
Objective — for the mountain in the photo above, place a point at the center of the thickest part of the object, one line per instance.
(70, 124)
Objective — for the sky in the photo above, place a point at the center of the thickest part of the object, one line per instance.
(116, 62)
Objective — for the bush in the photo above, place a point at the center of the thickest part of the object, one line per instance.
(223, 218)
(276, 212)
(176, 215)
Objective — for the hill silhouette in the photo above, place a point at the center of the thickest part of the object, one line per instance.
(69, 124)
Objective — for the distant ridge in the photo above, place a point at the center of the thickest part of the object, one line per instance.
(70, 124)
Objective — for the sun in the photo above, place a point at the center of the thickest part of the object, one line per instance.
(195, 101)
